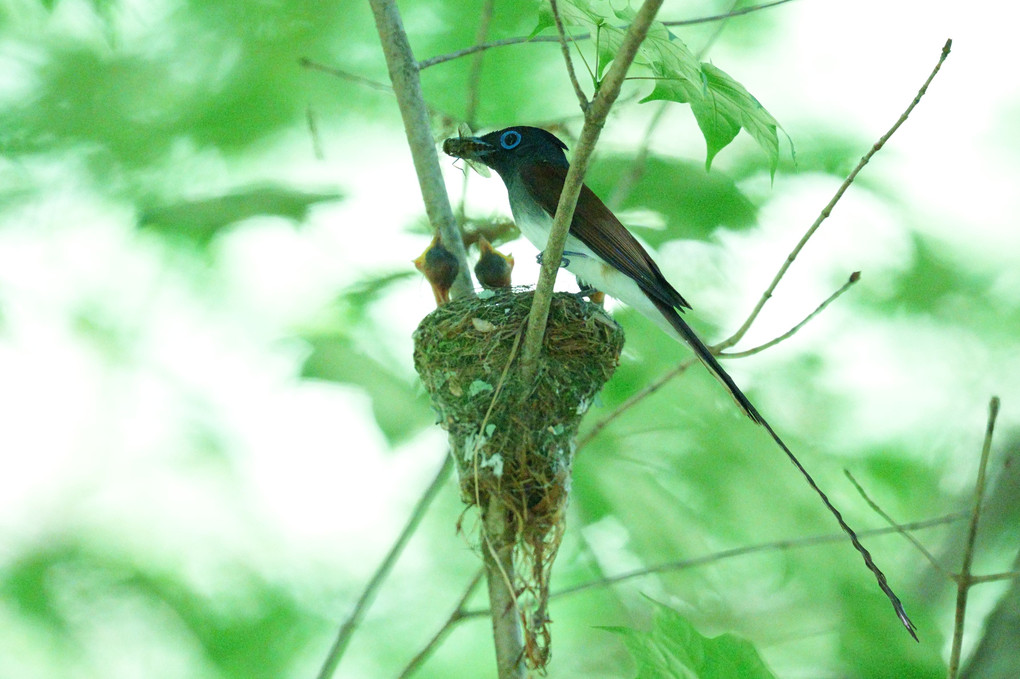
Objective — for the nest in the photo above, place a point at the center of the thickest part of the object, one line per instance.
(511, 438)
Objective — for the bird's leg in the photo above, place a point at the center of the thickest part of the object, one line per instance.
(564, 261)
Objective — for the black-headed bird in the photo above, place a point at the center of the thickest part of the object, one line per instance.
(601, 252)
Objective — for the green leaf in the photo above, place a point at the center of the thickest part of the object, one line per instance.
(673, 648)
(721, 105)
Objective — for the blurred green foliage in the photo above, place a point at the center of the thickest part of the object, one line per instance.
(135, 95)
(673, 648)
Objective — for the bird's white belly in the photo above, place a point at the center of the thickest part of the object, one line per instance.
(586, 265)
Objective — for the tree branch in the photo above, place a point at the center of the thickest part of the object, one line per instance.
(854, 277)
(455, 617)
(498, 557)
(827, 210)
(582, 100)
(899, 529)
(963, 582)
(403, 71)
(365, 600)
(594, 120)
(725, 555)
(443, 58)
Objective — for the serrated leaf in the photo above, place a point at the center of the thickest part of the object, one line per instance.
(732, 101)
(674, 649)
(721, 105)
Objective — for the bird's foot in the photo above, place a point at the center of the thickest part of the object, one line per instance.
(564, 261)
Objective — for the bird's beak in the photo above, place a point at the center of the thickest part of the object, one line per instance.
(468, 148)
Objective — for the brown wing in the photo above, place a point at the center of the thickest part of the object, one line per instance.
(596, 226)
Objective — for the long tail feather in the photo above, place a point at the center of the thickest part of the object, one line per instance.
(710, 361)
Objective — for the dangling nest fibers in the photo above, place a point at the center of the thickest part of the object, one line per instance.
(510, 438)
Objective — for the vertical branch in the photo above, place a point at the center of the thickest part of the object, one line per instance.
(403, 71)
(581, 99)
(963, 581)
(498, 556)
(594, 120)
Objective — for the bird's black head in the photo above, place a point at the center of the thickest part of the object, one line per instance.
(504, 150)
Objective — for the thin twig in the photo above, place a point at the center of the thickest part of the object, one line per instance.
(473, 86)
(650, 389)
(442, 58)
(637, 166)
(456, 616)
(403, 70)
(305, 62)
(827, 210)
(475, 75)
(854, 277)
(636, 398)
(727, 15)
(595, 119)
(718, 30)
(995, 577)
(963, 582)
(902, 531)
(313, 132)
(582, 100)
(364, 601)
(715, 557)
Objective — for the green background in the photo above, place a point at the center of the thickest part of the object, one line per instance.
(211, 431)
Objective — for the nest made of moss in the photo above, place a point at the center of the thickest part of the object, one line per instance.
(510, 437)
(466, 353)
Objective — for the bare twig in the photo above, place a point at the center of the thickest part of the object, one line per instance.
(651, 388)
(498, 557)
(827, 210)
(403, 71)
(473, 85)
(313, 132)
(963, 582)
(305, 62)
(717, 31)
(582, 100)
(364, 601)
(637, 166)
(458, 614)
(727, 15)
(854, 277)
(995, 577)
(902, 531)
(636, 398)
(738, 552)
(443, 58)
(595, 118)
(475, 75)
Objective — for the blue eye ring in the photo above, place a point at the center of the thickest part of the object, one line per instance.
(510, 139)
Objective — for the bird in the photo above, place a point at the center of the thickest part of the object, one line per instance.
(493, 267)
(602, 253)
(440, 268)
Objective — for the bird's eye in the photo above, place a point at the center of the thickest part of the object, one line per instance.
(510, 139)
